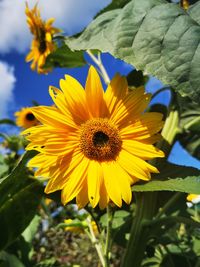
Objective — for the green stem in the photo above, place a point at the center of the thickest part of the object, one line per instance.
(47, 211)
(145, 210)
(171, 201)
(108, 235)
(95, 242)
(99, 63)
(5, 136)
(146, 202)
(169, 132)
(165, 88)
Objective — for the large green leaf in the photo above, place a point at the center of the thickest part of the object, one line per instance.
(194, 12)
(20, 197)
(155, 36)
(186, 185)
(63, 57)
(173, 178)
(115, 4)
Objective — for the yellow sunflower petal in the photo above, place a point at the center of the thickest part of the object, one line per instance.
(104, 198)
(130, 164)
(51, 116)
(50, 21)
(75, 182)
(94, 182)
(48, 37)
(67, 165)
(82, 197)
(36, 161)
(94, 90)
(130, 107)
(30, 56)
(117, 183)
(141, 150)
(60, 101)
(75, 98)
(146, 126)
(142, 164)
(116, 91)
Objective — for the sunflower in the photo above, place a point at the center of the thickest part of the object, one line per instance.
(42, 43)
(25, 118)
(193, 198)
(93, 144)
(76, 226)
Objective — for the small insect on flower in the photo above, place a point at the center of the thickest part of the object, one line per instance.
(94, 145)
(25, 118)
(42, 43)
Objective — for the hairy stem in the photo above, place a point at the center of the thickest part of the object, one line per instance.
(96, 243)
(147, 201)
(108, 235)
(98, 62)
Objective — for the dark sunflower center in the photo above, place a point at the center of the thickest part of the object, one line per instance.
(42, 40)
(100, 139)
(30, 117)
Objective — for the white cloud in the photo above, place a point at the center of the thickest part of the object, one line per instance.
(8, 80)
(71, 16)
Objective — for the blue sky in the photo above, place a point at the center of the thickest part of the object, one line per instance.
(20, 85)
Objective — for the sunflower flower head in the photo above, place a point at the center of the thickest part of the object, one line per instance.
(42, 43)
(25, 118)
(193, 198)
(93, 144)
(73, 226)
(76, 226)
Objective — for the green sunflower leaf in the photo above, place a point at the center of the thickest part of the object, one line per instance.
(3, 166)
(20, 197)
(115, 4)
(9, 260)
(65, 58)
(7, 121)
(173, 178)
(155, 36)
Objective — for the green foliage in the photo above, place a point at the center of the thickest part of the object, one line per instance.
(7, 121)
(136, 78)
(190, 125)
(30, 231)
(9, 260)
(3, 166)
(194, 12)
(20, 197)
(173, 178)
(157, 37)
(115, 4)
(161, 39)
(119, 218)
(65, 58)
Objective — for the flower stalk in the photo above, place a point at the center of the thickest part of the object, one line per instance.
(108, 235)
(95, 242)
(146, 202)
(98, 62)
